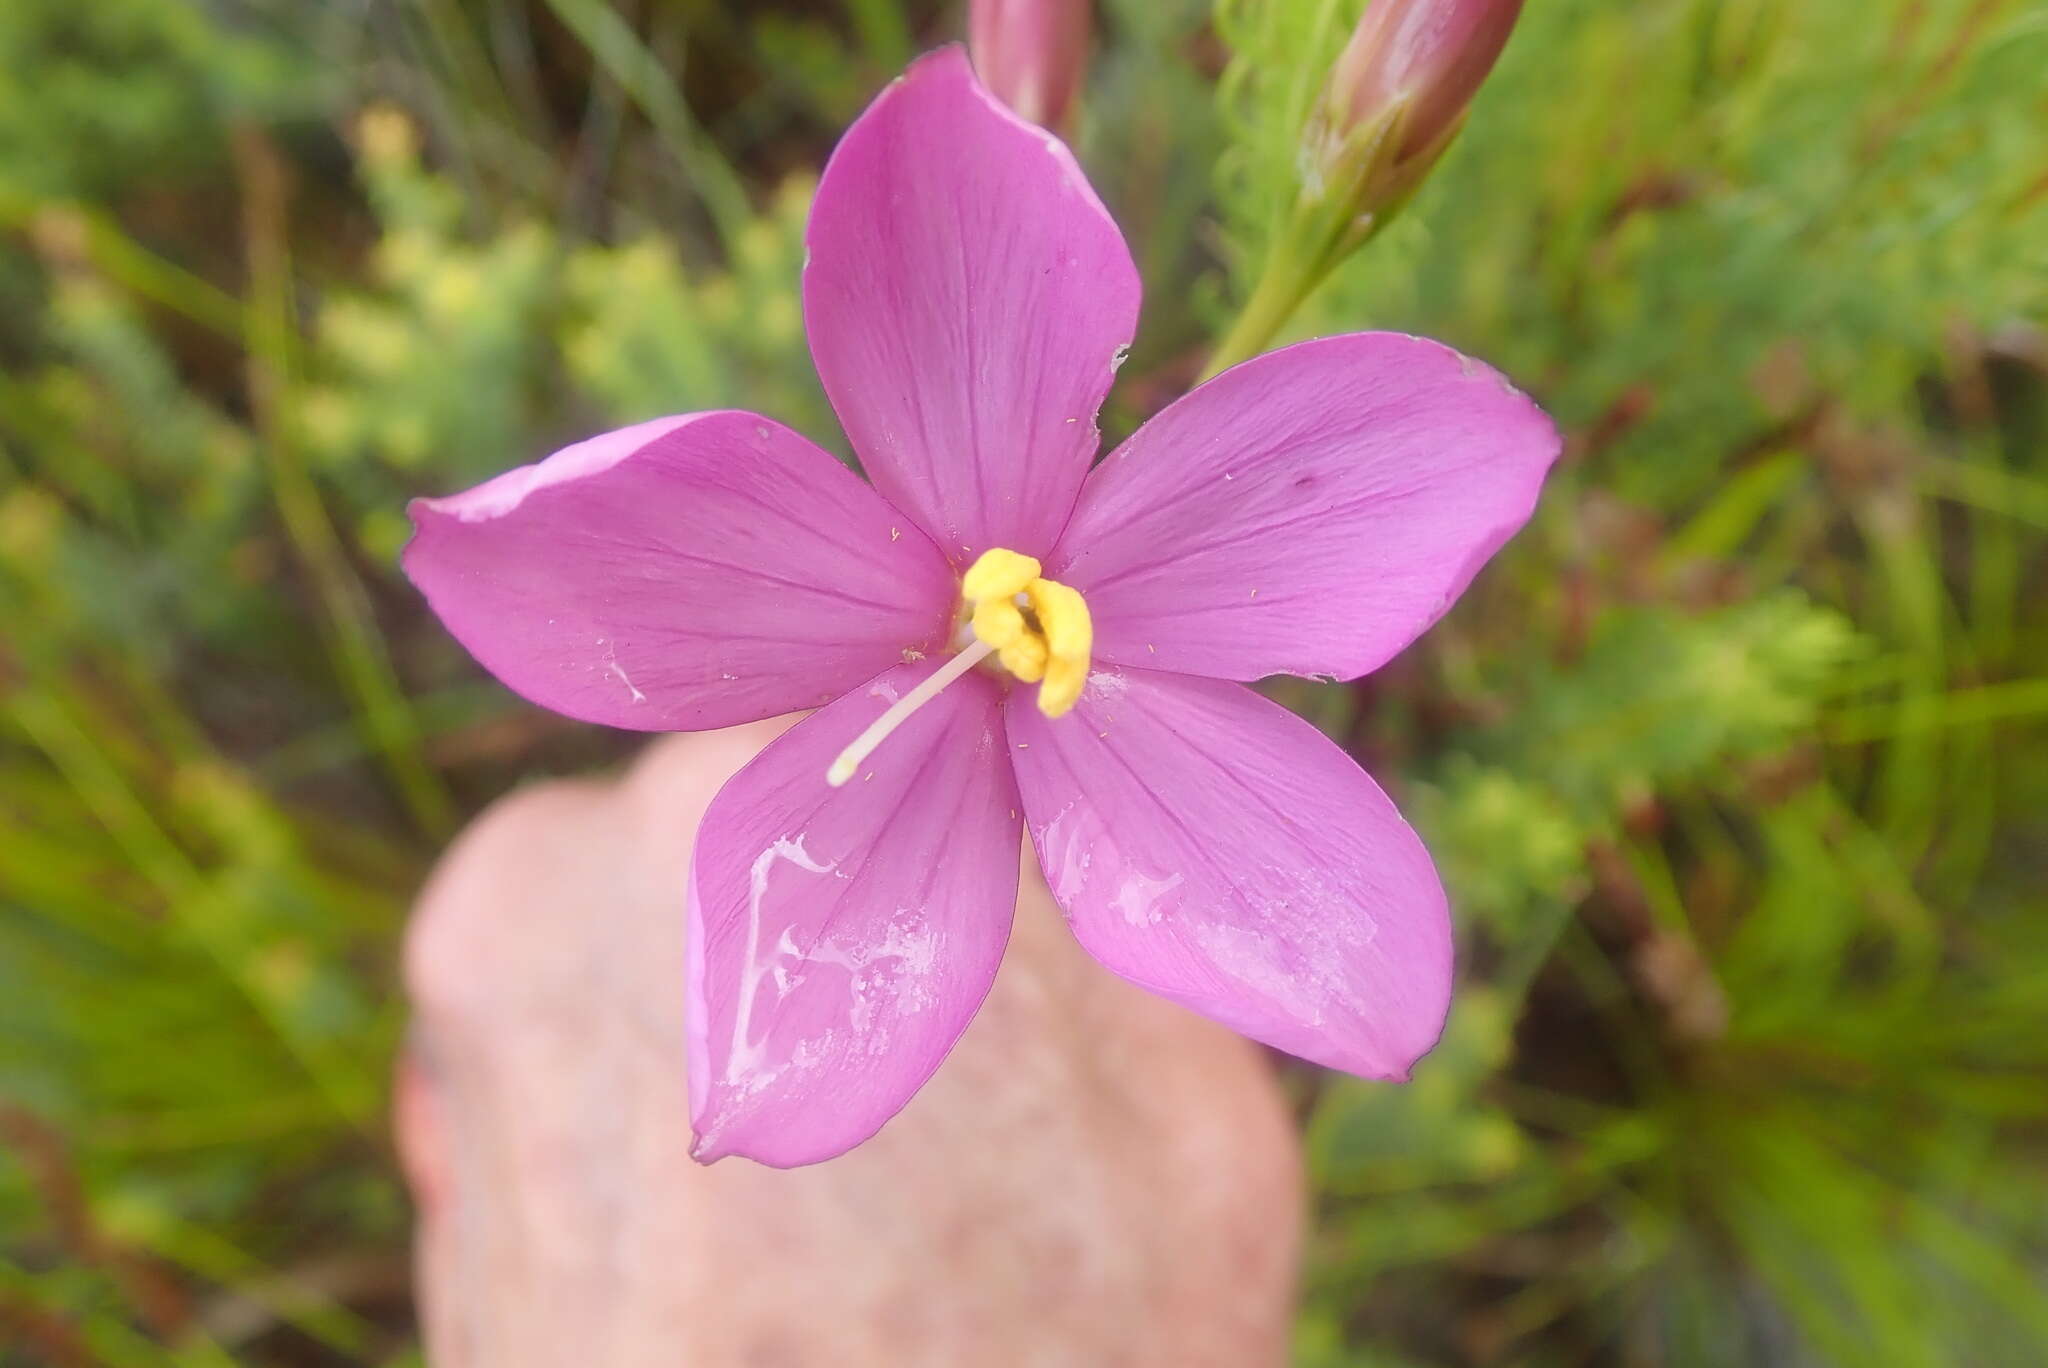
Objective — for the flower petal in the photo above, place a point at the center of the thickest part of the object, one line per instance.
(1214, 848)
(687, 573)
(841, 939)
(968, 299)
(1309, 512)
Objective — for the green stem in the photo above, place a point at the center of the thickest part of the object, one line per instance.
(1319, 232)
(94, 237)
(1282, 286)
(615, 47)
(354, 642)
(1364, 191)
(47, 720)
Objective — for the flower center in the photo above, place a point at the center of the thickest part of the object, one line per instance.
(1039, 629)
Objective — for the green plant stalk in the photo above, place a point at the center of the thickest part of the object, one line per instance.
(1329, 222)
(1908, 795)
(1532, 948)
(1983, 484)
(468, 65)
(31, 1297)
(627, 60)
(49, 724)
(1282, 286)
(291, 1300)
(264, 329)
(2009, 701)
(355, 644)
(94, 235)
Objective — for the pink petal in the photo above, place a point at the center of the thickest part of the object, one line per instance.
(1309, 512)
(686, 573)
(1214, 848)
(841, 939)
(968, 299)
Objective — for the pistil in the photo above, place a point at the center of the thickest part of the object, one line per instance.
(898, 712)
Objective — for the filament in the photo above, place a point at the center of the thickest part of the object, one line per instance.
(879, 729)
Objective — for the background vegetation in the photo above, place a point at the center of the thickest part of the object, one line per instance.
(1737, 761)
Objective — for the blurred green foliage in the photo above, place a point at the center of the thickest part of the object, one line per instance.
(1737, 760)
(1744, 812)
(107, 98)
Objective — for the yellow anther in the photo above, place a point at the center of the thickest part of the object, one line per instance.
(1064, 679)
(1025, 658)
(1050, 642)
(1068, 637)
(998, 574)
(1062, 617)
(1069, 634)
(998, 621)
(1038, 629)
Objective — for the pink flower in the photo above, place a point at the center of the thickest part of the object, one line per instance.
(1309, 512)
(1431, 55)
(1031, 54)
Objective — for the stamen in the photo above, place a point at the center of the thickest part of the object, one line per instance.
(1039, 628)
(878, 730)
(1024, 658)
(1069, 634)
(998, 573)
(998, 621)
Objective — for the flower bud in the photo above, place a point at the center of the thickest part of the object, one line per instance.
(1396, 97)
(1422, 61)
(1031, 53)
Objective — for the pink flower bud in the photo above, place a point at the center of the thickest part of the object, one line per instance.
(1031, 53)
(1432, 54)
